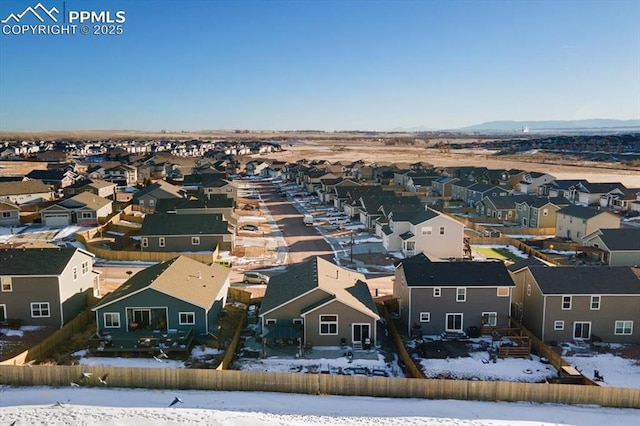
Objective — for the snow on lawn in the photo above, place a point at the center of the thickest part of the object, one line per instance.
(478, 366)
(117, 406)
(616, 371)
(106, 361)
(6, 232)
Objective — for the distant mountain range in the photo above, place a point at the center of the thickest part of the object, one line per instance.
(518, 126)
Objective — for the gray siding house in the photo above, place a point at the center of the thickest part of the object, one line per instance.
(615, 247)
(438, 297)
(560, 304)
(575, 222)
(9, 214)
(179, 294)
(185, 232)
(25, 192)
(321, 304)
(45, 287)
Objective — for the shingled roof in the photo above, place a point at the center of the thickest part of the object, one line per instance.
(36, 261)
(580, 211)
(184, 224)
(586, 279)
(24, 187)
(419, 271)
(621, 239)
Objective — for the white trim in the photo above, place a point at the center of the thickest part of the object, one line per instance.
(40, 309)
(270, 321)
(493, 315)
(464, 294)
(425, 316)
(195, 241)
(573, 331)
(558, 325)
(4, 308)
(104, 320)
(180, 322)
(298, 321)
(2, 283)
(437, 291)
(562, 302)
(502, 295)
(597, 308)
(446, 321)
(328, 323)
(615, 327)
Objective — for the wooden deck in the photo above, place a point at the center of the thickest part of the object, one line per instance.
(143, 341)
(512, 343)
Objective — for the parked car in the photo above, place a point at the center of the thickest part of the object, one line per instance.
(255, 278)
(249, 227)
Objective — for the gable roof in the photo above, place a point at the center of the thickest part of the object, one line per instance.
(586, 279)
(23, 187)
(181, 277)
(581, 212)
(184, 224)
(8, 205)
(47, 174)
(159, 187)
(414, 217)
(36, 261)
(419, 271)
(317, 273)
(601, 187)
(86, 199)
(215, 201)
(620, 239)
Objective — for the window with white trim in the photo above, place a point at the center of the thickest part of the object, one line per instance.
(595, 303)
(442, 230)
(437, 292)
(558, 325)
(297, 321)
(271, 321)
(85, 267)
(425, 316)
(87, 215)
(186, 318)
(7, 285)
(503, 292)
(426, 230)
(528, 289)
(461, 294)
(144, 242)
(566, 303)
(328, 324)
(112, 320)
(545, 212)
(161, 241)
(40, 310)
(6, 215)
(195, 241)
(624, 328)
(75, 273)
(490, 318)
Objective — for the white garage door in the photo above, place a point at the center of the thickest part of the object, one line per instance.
(55, 220)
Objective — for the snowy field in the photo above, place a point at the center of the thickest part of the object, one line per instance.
(94, 406)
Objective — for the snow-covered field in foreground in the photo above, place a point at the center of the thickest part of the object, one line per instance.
(91, 406)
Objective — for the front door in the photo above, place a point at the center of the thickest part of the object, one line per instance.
(361, 332)
(582, 330)
(454, 322)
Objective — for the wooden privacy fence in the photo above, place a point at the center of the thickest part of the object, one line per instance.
(412, 370)
(227, 360)
(321, 384)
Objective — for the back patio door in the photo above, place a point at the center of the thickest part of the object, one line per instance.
(454, 322)
(361, 332)
(582, 330)
(142, 317)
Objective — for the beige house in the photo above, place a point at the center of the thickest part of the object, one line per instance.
(615, 247)
(574, 222)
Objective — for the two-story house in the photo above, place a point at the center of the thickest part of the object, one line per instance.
(533, 182)
(574, 222)
(539, 212)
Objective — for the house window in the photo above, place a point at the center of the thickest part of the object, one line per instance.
(410, 245)
(461, 294)
(490, 318)
(566, 303)
(145, 242)
(297, 321)
(427, 230)
(328, 324)
(3, 313)
(85, 267)
(558, 325)
(624, 328)
(528, 289)
(6, 215)
(425, 316)
(161, 241)
(75, 273)
(442, 230)
(86, 215)
(40, 310)
(454, 322)
(186, 318)
(271, 321)
(595, 303)
(503, 291)
(152, 202)
(6, 284)
(111, 320)
(195, 241)
(545, 212)
(437, 291)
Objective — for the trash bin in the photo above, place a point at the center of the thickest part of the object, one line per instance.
(473, 332)
(367, 343)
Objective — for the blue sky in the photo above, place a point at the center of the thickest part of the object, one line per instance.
(328, 65)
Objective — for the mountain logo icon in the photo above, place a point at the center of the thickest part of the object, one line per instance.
(43, 11)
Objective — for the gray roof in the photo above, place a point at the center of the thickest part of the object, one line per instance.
(586, 279)
(507, 202)
(601, 187)
(35, 261)
(414, 217)
(184, 224)
(419, 271)
(621, 239)
(523, 263)
(580, 211)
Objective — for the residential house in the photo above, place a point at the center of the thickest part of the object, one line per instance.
(510, 179)
(147, 198)
(180, 294)
(371, 208)
(185, 232)
(57, 178)
(589, 194)
(560, 304)
(327, 306)
(533, 182)
(25, 192)
(562, 188)
(574, 222)
(45, 287)
(459, 189)
(346, 196)
(327, 193)
(313, 179)
(619, 199)
(423, 231)
(122, 175)
(84, 209)
(539, 212)
(439, 297)
(501, 206)
(101, 188)
(216, 204)
(441, 187)
(9, 214)
(615, 247)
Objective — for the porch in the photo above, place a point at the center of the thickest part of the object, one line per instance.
(143, 341)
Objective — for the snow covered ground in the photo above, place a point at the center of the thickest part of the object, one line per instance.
(616, 371)
(96, 406)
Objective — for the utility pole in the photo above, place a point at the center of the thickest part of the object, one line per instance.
(351, 256)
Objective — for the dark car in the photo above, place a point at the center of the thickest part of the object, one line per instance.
(249, 227)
